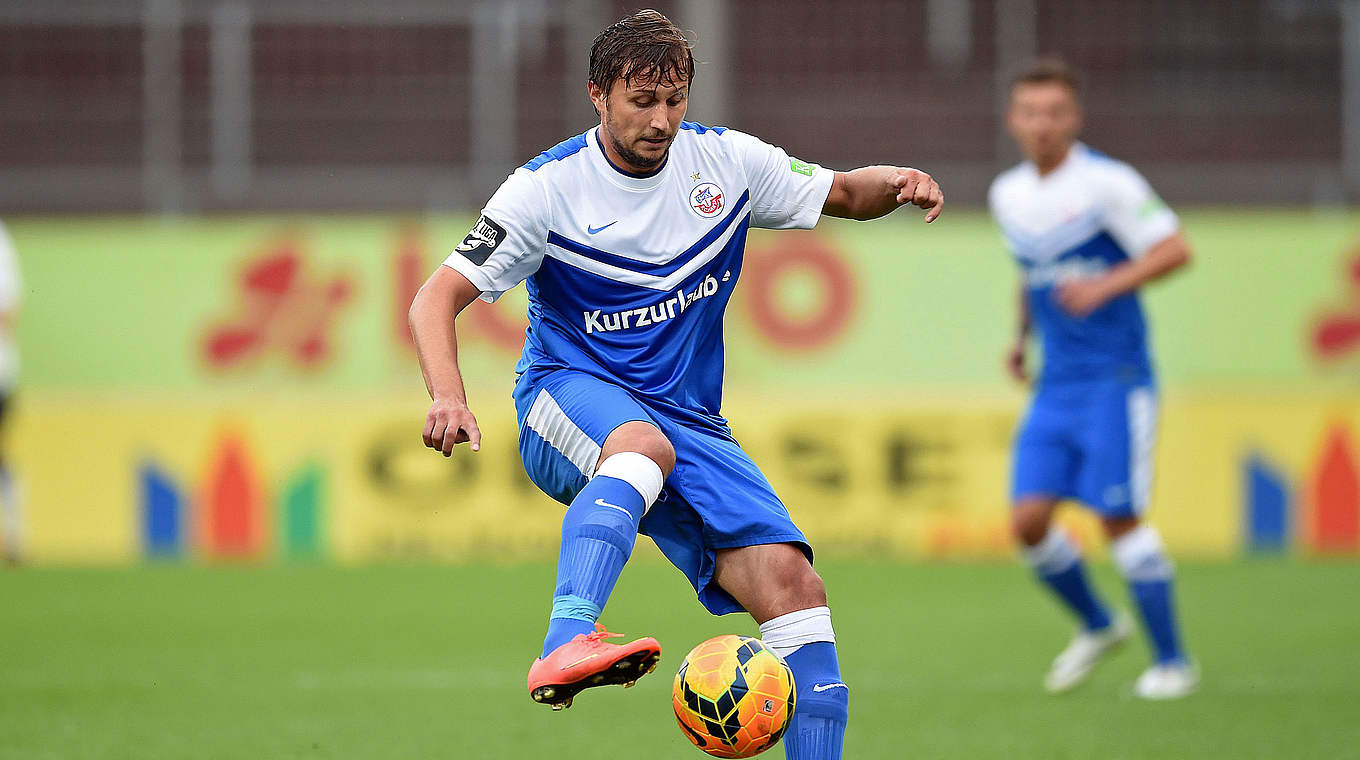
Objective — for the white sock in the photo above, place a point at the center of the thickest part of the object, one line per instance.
(786, 633)
(1054, 554)
(1140, 555)
(638, 471)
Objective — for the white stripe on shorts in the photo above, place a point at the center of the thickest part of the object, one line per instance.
(1142, 405)
(548, 420)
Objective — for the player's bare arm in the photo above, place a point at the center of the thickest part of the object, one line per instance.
(1081, 297)
(433, 311)
(1016, 355)
(873, 191)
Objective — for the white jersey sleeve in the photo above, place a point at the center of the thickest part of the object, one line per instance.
(506, 244)
(1132, 212)
(786, 193)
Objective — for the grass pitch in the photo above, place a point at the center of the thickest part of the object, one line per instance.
(944, 661)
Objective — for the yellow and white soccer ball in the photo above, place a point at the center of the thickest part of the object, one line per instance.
(733, 696)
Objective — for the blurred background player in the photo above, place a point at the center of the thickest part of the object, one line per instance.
(1087, 231)
(630, 237)
(11, 512)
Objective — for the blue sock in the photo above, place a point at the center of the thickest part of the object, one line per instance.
(817, 729)
(1159, 617)
(598, 533)
(1075, 591)
(1142, 561)
(1059, 566)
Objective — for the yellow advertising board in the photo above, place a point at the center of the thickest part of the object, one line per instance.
(348, 478)
(246, 387)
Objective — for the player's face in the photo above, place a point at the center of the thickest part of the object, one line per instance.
(639, 119)
(1044, 119)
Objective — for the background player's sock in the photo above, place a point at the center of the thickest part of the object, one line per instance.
(1058, 564)
(598, 533)
(807, 643)
(11, 516)
(1142, 561)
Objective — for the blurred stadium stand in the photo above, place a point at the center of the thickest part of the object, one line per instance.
(203, 105)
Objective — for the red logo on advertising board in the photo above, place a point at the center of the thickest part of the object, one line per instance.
(809, 327)
(284, 308)
(1334, 525)
(280, 308)
(1337, 332)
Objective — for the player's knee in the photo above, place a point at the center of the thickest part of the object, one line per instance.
(645, 439)
(658, 449)
(663, 453)
(1118, 526)
(1029, 524)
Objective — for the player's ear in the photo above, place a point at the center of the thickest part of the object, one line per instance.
(596, 95)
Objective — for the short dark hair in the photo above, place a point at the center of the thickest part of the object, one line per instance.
(1049, 69)
(645, 46)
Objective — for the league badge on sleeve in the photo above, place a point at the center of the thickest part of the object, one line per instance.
(481, 241)
(706, 200)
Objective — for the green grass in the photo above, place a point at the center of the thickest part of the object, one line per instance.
(944, 661)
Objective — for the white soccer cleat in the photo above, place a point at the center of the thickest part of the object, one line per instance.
(1075, 663)
(1166, 682)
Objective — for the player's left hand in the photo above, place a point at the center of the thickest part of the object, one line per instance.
(1081, 297)
(919, 189)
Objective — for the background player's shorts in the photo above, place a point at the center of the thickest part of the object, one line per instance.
(1090, 441)
(716, 498)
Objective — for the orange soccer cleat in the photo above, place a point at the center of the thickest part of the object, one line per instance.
(586, 661)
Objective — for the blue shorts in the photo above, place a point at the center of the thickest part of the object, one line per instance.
(1089, 441)
(716, 498)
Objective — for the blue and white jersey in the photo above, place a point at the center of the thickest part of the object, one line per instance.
(1081, 219)
(628, 276)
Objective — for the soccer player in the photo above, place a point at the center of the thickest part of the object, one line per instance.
(11, 514)
(630, 239)
(1087, 231)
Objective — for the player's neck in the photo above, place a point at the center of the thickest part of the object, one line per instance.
(622, 165)
(1049, 164)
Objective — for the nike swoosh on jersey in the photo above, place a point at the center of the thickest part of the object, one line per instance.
(825, 686)
(593, 230)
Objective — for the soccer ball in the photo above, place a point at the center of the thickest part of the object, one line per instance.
(733, 696)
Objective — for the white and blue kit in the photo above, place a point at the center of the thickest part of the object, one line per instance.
(1089, 431)
(628, 277)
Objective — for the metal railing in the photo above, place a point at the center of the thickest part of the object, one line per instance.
(190, 105)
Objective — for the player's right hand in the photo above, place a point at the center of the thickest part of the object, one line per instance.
(449, 423)
(1015, 363)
